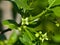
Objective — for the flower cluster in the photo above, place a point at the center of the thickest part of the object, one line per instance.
(41, 36)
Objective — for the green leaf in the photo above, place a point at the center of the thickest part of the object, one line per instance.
(39, 3)
(10, 24)
(57, 2)
(13, 38)
(2, 43)
(49, 1)
(30, 34)
(45, 43)
(39, 27)
(56, 10)
(31, 29)
(56, 38)
(22, 4)
(5, 22)
(38, 6)
(50, 27)
(25, 39)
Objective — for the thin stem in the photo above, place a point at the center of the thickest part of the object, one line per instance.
(39, 15)
(51, 4)
(43, 11)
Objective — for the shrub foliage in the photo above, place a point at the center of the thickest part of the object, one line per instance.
(40, 23)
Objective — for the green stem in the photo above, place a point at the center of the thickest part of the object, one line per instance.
(39, 15)
(29, 34)
(43, 11)
(51, 4)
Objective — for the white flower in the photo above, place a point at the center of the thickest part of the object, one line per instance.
(43, 37)
(25, 21)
